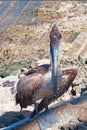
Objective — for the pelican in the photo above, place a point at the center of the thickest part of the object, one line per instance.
(42, 81)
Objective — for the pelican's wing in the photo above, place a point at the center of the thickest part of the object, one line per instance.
(40, 69)
(27, 87)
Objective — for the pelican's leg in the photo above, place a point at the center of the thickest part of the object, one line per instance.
(46, 104)
(21, 110)
(36, 108)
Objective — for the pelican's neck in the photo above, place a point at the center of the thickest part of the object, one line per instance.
(54, 49)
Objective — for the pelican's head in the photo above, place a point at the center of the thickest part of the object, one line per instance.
(55, 38)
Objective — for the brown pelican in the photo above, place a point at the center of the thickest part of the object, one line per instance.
(38, 83)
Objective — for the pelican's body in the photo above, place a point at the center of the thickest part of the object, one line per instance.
(46, 88)
(36, 85)
(44, 80)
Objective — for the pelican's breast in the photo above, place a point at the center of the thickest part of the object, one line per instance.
(46, 88)
(59, 76)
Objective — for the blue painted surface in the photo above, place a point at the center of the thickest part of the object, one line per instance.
(3, 6)
(18, 7)
(14, 125)
(77, 100)
(13, 15)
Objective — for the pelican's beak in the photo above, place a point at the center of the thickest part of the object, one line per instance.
(55, 38)
(54, 56)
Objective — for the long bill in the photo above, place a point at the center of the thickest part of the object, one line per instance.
(55, 38)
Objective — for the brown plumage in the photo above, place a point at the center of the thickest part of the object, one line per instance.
(26, 87)
(38, 83)
(34, 86)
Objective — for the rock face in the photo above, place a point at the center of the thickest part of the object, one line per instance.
(8, 90)
(68, 117)
(23, 42)
(28, 46)
(8, 109)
